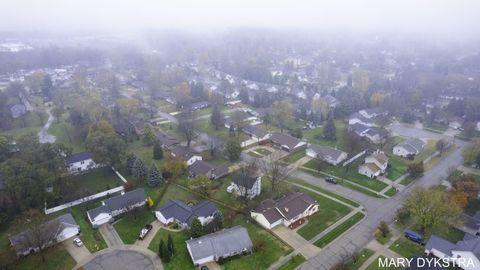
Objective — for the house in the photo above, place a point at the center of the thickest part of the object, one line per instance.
(176, 211)
(374, 135)
(17, 110)
(411, 146)
(359, 129)
(200, 105)
(139, 125)
(373, 112)
(67, 228)
(212, 170)
(222, 244)
(331, 101)
(115, 206)
(357, 118)
(287, 142)
(165, 140)
(327, 154)
(375, 165)
(290, 210)
(456, 122)
(473, 223)
(256, 133)
(80, 162)
(245, 186)
(185, 153)
(464, 254)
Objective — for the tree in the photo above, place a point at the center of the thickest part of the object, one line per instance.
(297, 133)
(127, 107)
(282, 113)
(415, 169)
(217, 117)
(360, 80)
(233, 149)
(376, 99)
(157, 150)
(131, 163)
(432, 208)
(330, 131)
(182, 95)
(161, 249)
(383, 228)
(441, 145)
(196, 228)
(320, 107)
(201, 184)
(148, 136)
(154, 176)
(41, 234)
(173, 168)
(104, 145)
(170, 244)
(139, 170)
(274, 170)
(464, 190)
(186, 126)
(471, 152)
(47, 86)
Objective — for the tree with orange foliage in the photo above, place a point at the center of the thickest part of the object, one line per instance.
(464, 190)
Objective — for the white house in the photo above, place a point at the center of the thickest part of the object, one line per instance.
(411, 146)
(375, 165)
(176, 211)
(256, 133)
(115, 206)
(290, 210)
(222, 244)
(327, 154)
(245, 186)
(373, 112)
(80, 162)
(357, 118)
(184, 153)
(464, 253)
(66, 227)
(287, 142)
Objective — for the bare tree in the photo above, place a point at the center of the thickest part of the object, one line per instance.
(42, 233)
(186, 125)
(274, 170)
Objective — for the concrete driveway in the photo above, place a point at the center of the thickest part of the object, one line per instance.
(296, 241)
(146, 241)
(110, 235)
(77, 253)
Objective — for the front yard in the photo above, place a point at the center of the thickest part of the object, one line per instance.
(129, 226)
(294, 157)
(55, 259)
(407, 248)
(339, 230)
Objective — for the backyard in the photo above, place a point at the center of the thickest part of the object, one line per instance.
(97, 180)
(315, 136)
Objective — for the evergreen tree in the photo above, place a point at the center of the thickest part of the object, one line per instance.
(161, 249)
(167, 254)
(148, 136)
(157, 151)
(196, 229)
(330, 131)
(233, 149)
(170, 244)
(131, 163)
(139, 169)
(217, 117)
(154, 176)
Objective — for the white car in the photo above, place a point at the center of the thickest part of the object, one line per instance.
(78, 242)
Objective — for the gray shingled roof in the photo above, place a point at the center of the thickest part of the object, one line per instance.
(289, 205)
(183, 152)
(359, 117)
(201, 167)
(412, 145)
(165, 140)
(324, 151)
(255, 131)
(359, 128)
(243, 180)
(219, 244)
(78, 157)
(119, 202)
(184, 213)
(284, 139)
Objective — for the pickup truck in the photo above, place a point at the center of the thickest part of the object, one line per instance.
(145, 230)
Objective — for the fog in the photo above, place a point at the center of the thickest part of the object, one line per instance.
(447, 19)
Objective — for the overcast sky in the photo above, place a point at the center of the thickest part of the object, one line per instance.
(459, 17)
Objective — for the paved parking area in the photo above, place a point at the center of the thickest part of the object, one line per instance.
(77, 253)
(296, 241)
(120, 260)
(110, 235)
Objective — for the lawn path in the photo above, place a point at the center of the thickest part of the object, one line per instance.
(43, 135)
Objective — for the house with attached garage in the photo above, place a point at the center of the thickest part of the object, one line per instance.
(290, 209)
(245, 186)
(464, 254)
(80, 162)
(60, 229)
(219, 245)
(287, 142)
(185, 153)
(165, 140)
(409, 147)
(375, 164)
(256, 133)
(357, 118)
(115, 206)
(211, 170)
(176, 211)
(327, 154)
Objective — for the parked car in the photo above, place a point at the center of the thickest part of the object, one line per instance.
(331, 180)
(414, 236)
(78, 242)
(145, 230)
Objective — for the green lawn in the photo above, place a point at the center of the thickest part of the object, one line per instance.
(398, 167)
(294, 157)
(205, 125)
(407, 180)
(253, 154)
(350, 173)
(65, 134)
(435, 126)
(92, 238)
(375, 265)
(97, 180)
(129, 226)
(427, 151)
(329, 213)
(293, 263)
(181, 259)
(327, 192)
(359, 259)
(340, 229)
(392, 191)
(56, 259)
(407, 248)
(315, 136)
(263, 151)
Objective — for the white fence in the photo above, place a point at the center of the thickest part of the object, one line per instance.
(82, 200)
(353, 158)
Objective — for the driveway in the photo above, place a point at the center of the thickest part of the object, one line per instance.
(77, 253)
(156, 225)
(43, 135)
(110, 235)
(296, 241)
